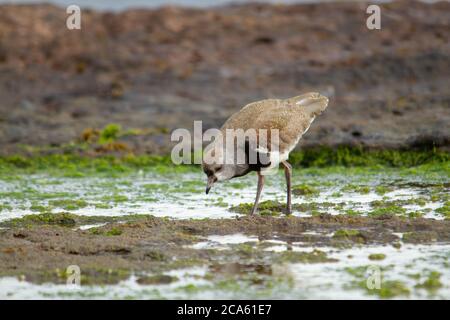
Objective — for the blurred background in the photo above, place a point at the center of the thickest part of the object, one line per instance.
(146, 68)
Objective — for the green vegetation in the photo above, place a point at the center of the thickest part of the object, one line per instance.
(381, 190)
(433, 282)
(304, 189)
(349, 235)
(269, 207)
(68, 219)
(355, 188)
(74, 166)
(418, 237)
(377, 256)
(388, 210)
(109, 133)
(390, 289)
(5, 206)
(62, 219)
(114, 232)
(346, 156)
(108, 232)
(68, 204)
(315, 256)
(445, 209)
(325, 157)
(352, 212)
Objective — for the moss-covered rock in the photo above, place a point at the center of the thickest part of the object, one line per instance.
(268, 208)
(303, 189)
(315, 256)
(62, 219)
(377, 256)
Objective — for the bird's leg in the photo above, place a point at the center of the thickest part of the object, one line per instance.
(288, 175)
(258, 192)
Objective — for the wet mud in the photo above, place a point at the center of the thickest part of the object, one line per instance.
(149, 245)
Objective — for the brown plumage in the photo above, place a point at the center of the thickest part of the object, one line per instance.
(291, 117)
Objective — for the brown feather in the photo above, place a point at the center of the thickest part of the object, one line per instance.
(292, 117)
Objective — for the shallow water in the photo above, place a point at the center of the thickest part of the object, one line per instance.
(181, 196)
(410, 264)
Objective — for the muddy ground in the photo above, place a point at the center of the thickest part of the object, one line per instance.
(162, 69)
(40, 253)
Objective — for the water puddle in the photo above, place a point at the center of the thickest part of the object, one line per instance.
(409, 266)
(181, 196)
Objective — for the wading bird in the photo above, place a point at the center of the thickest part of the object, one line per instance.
(289, 118)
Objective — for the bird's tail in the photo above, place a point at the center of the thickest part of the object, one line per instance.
(314, 103)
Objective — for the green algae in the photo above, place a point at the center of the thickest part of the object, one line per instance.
(391, 289)
(40, 208)
(93, 276)
(109, 133)
(377, 256)
(304, 189)
(358, 156)
(275, 208)
(388, 288)
(349, 235)
(116, 198)
(382, 190)
(269, 207)
(356, 189)
(444, 210)
(69, 204)
(432, 283)
(419, 237)
(358, 272)
(395, 207)
(62, 219)
(5, 206)
(110, 232)
(346, 233)
(102, 206)
(68, 219)
(31, 194)
(352, 212)
(427, 160)
(315, 256)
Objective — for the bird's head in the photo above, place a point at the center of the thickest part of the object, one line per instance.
(217, 169)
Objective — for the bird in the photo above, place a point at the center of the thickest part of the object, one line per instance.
(289, 118)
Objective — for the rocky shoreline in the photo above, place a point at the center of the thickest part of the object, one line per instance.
(162, 69)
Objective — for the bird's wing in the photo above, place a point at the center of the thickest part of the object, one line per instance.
(245, 118)
(291, 118)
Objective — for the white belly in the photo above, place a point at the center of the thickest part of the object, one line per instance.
(276, 157)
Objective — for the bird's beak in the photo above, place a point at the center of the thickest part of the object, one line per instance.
(210, 183)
